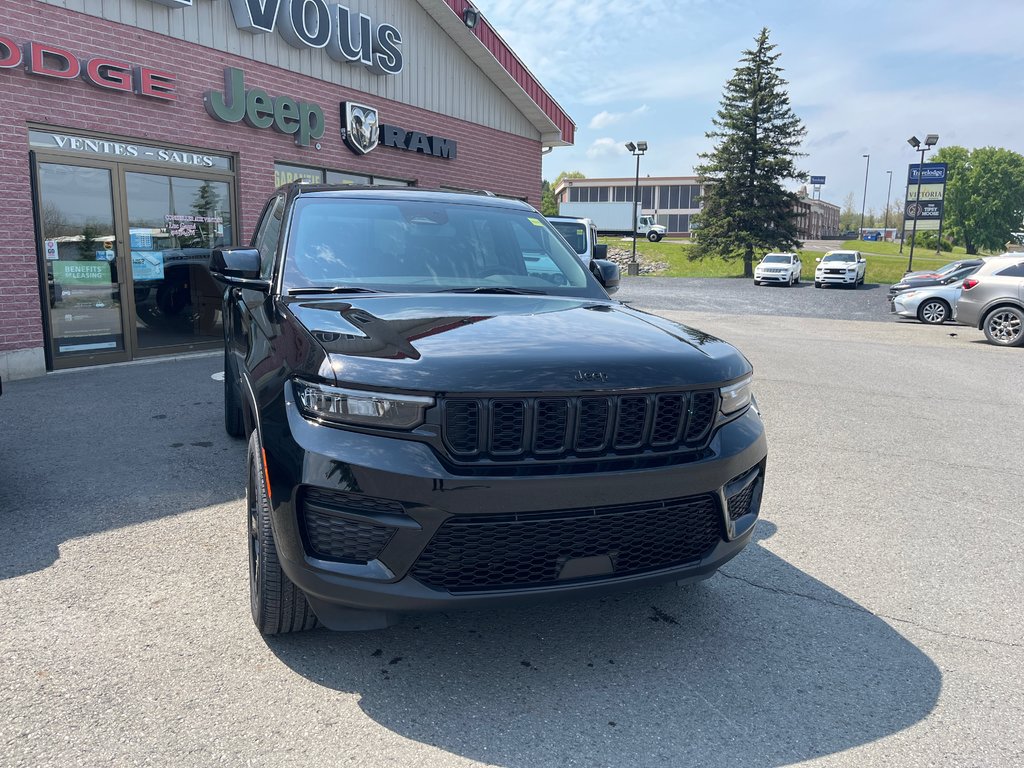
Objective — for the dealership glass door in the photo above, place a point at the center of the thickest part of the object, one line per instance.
(83, 263)
(174, 222)
(124, 250)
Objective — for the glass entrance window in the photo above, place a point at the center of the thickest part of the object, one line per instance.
(174, 223)
(81, 260)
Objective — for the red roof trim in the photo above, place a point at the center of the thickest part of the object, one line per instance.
(511, 63)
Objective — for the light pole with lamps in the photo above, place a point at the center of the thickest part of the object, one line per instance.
(637, 150)
(929, 141)
(865, 200)
(887, 195)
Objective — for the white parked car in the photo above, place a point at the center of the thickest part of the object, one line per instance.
(778, 268)
(846, 268)
(932, 305)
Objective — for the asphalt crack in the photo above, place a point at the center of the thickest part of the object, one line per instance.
(885, 617)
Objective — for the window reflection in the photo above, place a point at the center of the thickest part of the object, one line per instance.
(174, 223)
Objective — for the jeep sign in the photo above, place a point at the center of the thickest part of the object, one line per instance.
(260, 110)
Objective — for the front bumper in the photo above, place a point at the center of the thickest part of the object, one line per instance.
(401, 485)
(844, 279)
(772, 277)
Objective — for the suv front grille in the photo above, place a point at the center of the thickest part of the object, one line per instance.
(521, 428)
(529, 550)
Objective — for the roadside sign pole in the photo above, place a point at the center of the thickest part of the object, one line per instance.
(917, 211)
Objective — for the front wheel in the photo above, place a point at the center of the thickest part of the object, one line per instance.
(653, 237)
(933, 312)
(278, 606)
(817, 284)
(1005, 327)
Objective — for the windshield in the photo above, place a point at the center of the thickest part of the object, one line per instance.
(839, 257)
(775, 259)
(428, 245)
(574, 233)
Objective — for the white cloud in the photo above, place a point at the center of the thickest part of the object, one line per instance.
(605, 147)
(603, 119)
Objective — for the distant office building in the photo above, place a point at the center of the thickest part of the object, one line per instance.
(816, 219)
(672, 200)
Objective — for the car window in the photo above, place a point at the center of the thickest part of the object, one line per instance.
(574, 232)
(267, 235)
(839, 257)
(1015, 270)
(422, 245)
(777, 259)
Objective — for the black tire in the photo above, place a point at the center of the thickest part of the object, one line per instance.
(1004, 327)
(234, 420)
(817, 284)
(653, 237)
(278, 606)
(757, 282)
(933, 312)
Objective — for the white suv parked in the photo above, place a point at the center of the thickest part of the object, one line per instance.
(778, 268)
(846, 268)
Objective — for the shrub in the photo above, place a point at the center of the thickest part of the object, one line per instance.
(928, 239)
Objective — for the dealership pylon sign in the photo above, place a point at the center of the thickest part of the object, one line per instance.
(928, 211)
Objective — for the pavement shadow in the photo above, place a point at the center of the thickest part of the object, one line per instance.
(93, 450)
(761, 666)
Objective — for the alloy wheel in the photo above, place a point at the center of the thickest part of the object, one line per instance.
(1004, 326)
(934, 312)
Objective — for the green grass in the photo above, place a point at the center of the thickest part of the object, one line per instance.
(885, 264)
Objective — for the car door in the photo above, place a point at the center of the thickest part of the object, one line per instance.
(247, 307)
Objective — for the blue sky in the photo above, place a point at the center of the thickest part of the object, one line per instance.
(864, 75)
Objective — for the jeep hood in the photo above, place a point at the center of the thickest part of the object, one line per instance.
(494, 343)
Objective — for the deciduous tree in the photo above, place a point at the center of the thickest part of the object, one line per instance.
(984, 199)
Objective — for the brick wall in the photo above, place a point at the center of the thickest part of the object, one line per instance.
(487, 159)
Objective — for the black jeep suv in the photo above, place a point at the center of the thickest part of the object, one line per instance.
(445, 409)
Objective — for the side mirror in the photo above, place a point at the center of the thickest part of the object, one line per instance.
(862, 260)
(239, 267)
(607, 273)
(818, 259)
(600, 251)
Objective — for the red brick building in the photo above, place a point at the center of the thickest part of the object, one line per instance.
(137, 135)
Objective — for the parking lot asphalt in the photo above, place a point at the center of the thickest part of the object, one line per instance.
(874, 622)
(741, 296)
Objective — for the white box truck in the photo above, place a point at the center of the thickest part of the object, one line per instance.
(614, 219)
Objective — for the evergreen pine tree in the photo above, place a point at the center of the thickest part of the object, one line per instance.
(745, 207)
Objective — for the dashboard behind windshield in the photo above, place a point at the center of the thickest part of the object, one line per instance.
(427, 245)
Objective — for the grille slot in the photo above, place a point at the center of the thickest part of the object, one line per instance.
(592, 427)
(523, 428)
(631, 423)
(516, 551)
(331, 536)
(551, 426)
(507, 423)
(462, 426)
(701, 416)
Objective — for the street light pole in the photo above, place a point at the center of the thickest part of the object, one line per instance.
(864, 202)
(887, 195)
(637, 150)
(929, 141)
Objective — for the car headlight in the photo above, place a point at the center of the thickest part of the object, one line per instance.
(736, 397)
(370, 409)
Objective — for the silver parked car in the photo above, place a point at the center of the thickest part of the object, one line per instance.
(932, 305)
(993, 300)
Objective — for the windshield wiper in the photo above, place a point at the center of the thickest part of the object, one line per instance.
(495, 289)
(331, 289)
